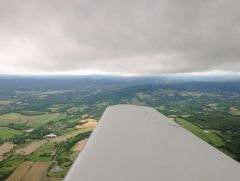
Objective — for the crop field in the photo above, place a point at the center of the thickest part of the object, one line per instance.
(17, 117)
(5, 148)
(29, 148)
(6, 133)
(36, 171)
(80, 145)
(56, 107)
(32, 121)
(9, 165)
(5, 102)
(44, 119)
(20, 171)
(43, 153)
(29, 171)
(208, 136)
(53, 179)
(68, 135)
(234, 111)
(90, 124)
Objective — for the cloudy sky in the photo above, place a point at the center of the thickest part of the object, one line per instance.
(119, 36)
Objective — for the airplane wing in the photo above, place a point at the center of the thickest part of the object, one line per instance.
(137, 143)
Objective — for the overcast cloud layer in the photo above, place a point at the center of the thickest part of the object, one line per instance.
(119, 36)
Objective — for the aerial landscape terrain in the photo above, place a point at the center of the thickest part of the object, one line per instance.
(45, 121)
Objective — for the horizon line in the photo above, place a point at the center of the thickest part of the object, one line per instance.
(107, 74)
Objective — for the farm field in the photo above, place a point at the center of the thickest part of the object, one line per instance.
(234, 111)
(44, 153)
(20, 171)
(28, 149)
(36, 171)
(206, 135)
(6, 133)
(69, 134)
(5, 148)
(53, 179)
(80, 145)
(90, 124)
(5, 102)
(32, 121)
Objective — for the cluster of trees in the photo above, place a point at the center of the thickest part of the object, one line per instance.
(66, 146)
(39, 133)
(19, 140)
(17, 126)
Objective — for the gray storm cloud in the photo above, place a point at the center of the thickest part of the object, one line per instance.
(119, 36)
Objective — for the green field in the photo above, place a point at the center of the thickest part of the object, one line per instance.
(6, 168)
(32, 121)
(209, 136)
(44, 119)
(234, 111)
(5, 102)
(44, 153)
(6, 133)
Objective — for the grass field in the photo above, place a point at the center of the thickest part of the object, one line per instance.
(30, 120)
(5, 102)
(90, 124)
(43, 119)
(57, 107)
(160, 108)
(6, 133)
(28, 149)
(234, 111)
(44, 153)
(53, 179)
(20, 171)
(80, 145)
(208, 136)
(36, 171)
(69, 134)
(5, 148)
(29, 171)
(8, 167)
(16, 117)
